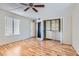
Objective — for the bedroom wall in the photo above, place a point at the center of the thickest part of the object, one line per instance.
(64, 13)
(25, 28)
(75, 28)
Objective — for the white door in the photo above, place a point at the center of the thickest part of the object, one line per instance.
(33, 29)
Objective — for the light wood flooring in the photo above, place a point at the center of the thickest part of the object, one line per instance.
(34, 47)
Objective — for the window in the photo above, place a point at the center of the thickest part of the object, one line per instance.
(11, 26)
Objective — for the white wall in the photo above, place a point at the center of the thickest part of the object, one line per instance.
(67, 26)
(75, 28)
(25, 28)
(67, 38)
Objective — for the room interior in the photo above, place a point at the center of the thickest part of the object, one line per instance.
(29, 29)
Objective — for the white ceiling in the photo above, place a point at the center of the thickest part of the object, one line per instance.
(50, 9)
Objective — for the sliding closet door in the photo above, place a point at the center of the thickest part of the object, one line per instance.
(56, 29)
(48, 30)
(52, 29)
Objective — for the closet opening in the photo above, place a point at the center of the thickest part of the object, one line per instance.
(52, 29)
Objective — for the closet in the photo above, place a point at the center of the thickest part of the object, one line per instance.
(52, 29)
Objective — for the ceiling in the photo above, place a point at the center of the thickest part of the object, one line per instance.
(50, 9)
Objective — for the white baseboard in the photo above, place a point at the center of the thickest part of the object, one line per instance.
(76, 50)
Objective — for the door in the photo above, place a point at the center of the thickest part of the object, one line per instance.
(33, 29)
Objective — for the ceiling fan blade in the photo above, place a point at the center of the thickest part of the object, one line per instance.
(39, 5)
(24, 4)
(26, 8)
(35, 10)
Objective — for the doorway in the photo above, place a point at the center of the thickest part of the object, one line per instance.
(39, 29)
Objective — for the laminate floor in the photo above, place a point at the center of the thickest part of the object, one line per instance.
(34, 47)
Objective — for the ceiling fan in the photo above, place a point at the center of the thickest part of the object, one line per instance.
(31, 5)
